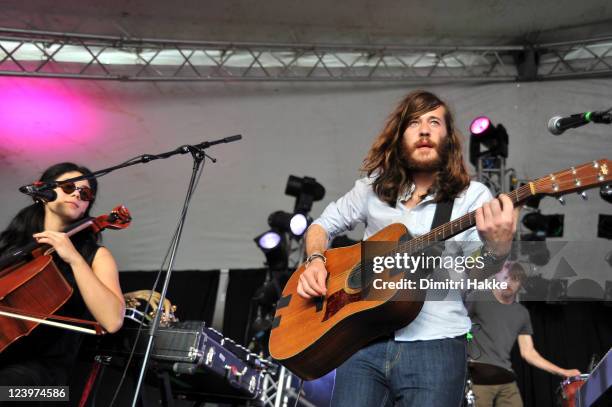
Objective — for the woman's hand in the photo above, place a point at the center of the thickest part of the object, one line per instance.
(62, 245)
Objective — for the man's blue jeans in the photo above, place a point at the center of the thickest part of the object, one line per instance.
(389, 373)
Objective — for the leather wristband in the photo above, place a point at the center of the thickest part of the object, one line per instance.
(315, 255)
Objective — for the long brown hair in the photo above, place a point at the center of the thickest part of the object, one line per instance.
(386, 159)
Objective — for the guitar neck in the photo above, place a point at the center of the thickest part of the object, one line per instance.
(461, 224)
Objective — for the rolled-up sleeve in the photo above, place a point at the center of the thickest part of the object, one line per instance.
(345, 213)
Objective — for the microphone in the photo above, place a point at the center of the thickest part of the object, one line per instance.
(40, 191)
(558, 124)
(229, 139)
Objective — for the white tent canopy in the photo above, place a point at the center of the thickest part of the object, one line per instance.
(435, 22)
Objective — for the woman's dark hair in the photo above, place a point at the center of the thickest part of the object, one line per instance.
(31, 219)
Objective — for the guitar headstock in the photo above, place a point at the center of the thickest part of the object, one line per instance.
(119, 218)
(574, 179)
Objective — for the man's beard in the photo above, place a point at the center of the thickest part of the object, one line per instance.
(432, 164)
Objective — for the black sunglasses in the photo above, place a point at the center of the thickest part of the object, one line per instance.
(85, 193)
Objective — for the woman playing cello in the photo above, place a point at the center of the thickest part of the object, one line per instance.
(45, 357)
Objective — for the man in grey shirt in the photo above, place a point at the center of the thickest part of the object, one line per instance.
(415, 162)
(498, 322)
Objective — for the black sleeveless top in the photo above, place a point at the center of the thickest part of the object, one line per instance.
(54, 350)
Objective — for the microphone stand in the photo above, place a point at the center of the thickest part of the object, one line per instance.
(145, 158)
(198, 157)
(198, 154)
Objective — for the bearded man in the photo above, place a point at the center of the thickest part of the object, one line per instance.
(414, 164)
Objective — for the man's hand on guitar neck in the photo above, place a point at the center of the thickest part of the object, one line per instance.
(496, 222)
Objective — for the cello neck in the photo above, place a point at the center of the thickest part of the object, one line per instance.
(20, 253)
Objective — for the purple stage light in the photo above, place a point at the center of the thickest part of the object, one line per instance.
(480, 125)
(39, 115)
(269, 240)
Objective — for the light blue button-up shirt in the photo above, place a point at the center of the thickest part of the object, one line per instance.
(437, 319)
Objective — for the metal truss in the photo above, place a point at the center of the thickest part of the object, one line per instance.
(49, 54)
(65, 55)
(278, 391)
(492, 172)
(575, 59)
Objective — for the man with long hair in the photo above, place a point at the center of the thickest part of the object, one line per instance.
(415, 163)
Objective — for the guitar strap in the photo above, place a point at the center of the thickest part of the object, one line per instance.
(442, 214)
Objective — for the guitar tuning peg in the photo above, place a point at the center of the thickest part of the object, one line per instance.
(584, 196)
(561, 200)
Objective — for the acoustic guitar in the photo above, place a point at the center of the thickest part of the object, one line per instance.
(313, 336)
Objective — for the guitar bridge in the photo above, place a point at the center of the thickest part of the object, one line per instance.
(319, 303)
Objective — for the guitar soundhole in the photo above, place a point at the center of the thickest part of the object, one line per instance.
(354, 280)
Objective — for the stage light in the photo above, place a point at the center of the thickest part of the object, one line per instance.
(274, 246)
(294, 223)
(534, 247)
(480, 125)
(306, 190)
(268, 240)
(604, 226)
(544, 225)
(606, 193)
(493, 138)
(298, 224)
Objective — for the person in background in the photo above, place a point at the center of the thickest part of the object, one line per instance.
(500, 321)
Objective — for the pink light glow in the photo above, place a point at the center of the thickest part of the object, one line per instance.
(479, 125)
(43, 114)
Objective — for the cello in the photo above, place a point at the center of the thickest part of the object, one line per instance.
(32, 287)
